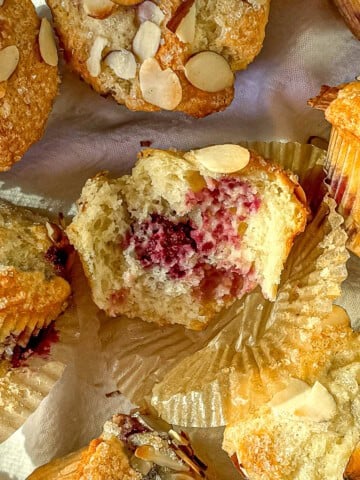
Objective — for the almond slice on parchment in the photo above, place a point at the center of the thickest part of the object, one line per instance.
(159, 87)
(209, 72)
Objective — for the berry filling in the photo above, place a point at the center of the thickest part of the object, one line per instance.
(197, 248)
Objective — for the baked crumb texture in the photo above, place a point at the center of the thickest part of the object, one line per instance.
(157, 59)
(175, 242)
(26, 97)
(32, 295)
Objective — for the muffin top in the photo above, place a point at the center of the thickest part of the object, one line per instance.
(344, 111)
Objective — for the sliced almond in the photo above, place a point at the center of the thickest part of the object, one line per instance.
(180, 439)
(179, 14)
(93, 63)
(209, 72)
(301, 400)
(148, 11)
(2, 3)
(294, 389)
(319, 404)
(123, 64)
(47, 44)
(9, 59)
(127, 3)
(159, 87)
(149, 454)
(147, 40)
(186, 29)
(142, 466)
(226, 158)
(98, 8)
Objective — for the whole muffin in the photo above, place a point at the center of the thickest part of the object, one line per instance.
(342, 109)
(168, 54)
(28, 78)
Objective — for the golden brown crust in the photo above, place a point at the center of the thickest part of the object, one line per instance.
(260, 440)
(240, 41)
(26, 97)
(32, 294)
(106, 459)
(29, 302)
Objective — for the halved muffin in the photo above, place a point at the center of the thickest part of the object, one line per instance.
(187, 233)
(33, 291)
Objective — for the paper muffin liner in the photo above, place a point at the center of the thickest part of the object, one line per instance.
(239, 362)
(23, 388)
(343, 169)
(140, 355)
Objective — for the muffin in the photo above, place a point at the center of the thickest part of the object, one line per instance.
(131, 447)
(171, 55)
(187, 233)
(28, 78)
(342, 109)
(33, 289)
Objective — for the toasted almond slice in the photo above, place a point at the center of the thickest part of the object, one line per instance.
(159, 87)
(147, 40)
(142, 466)
(186, 29)
(209, 72)
(98, 8)
(93, 63)
(127, 3)
(179, 14)
(47, 44)
(226, 158)
(2, 3)
(149, 454)
(123, 64)
(9, 59)
(149, 11)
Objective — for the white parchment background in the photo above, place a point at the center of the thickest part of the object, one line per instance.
(307, 44)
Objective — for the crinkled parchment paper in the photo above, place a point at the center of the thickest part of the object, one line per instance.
(307, 44)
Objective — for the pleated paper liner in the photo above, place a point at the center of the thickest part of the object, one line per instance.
(22, 388)
(239, 363)
(140, 354)
(343, 167)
